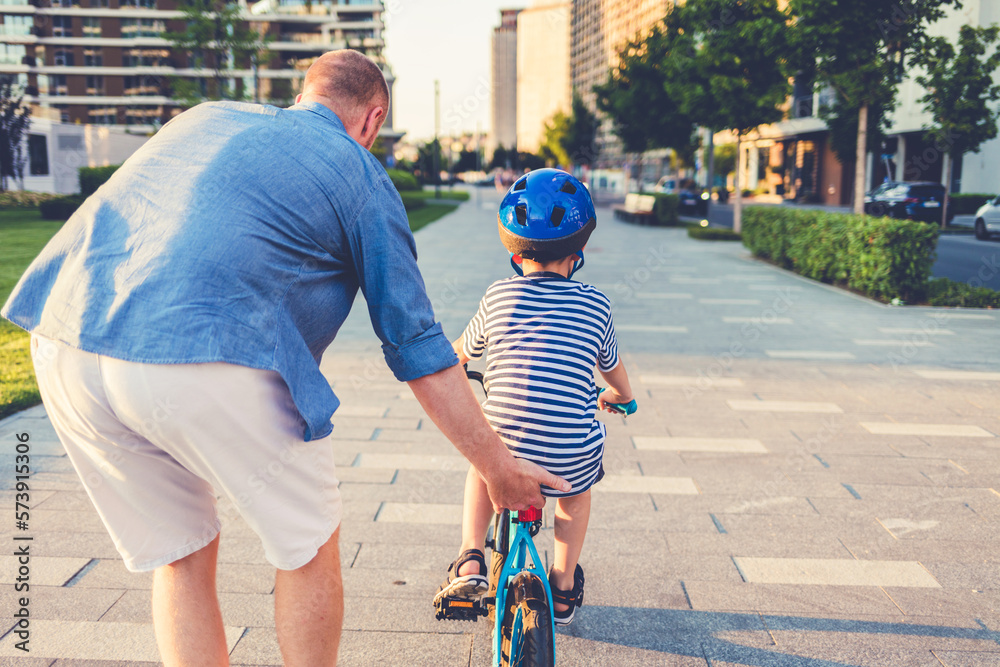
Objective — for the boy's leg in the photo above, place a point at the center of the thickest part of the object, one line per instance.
(476, 515)
(572, 516)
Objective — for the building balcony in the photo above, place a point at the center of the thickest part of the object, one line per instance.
(95, 100)
(194, 73)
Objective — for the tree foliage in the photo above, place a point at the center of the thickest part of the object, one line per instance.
(15, 119)
(217, 37)
(553, 147)
(960, 89)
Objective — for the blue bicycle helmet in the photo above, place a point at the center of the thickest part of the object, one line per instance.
(546, 215)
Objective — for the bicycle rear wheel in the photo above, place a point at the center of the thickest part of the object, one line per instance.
(527, 605)
(497, 557)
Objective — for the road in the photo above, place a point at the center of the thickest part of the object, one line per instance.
(960, 257)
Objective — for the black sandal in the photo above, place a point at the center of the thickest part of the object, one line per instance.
(573, 598)
(466, 586)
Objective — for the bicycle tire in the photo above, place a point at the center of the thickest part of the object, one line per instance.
(526, 593)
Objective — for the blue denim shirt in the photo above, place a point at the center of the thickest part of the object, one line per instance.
(238, 233)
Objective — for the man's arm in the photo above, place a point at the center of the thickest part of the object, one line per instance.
(512, 483)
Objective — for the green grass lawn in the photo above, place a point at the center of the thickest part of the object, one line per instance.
(23, 233)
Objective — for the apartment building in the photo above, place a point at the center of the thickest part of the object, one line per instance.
(108, 62)
(543, 72)
(503, 77)
(793, 159)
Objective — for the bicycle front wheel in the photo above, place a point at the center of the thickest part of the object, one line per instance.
(527, 611)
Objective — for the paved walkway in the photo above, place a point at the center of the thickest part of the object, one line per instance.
(811, 481)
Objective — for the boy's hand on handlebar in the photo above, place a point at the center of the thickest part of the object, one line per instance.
(520, 490)
(607, 397)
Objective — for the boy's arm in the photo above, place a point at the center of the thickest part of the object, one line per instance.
(459, 347)
(620, 391)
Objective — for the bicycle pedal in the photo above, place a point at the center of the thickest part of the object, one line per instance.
(459, 609)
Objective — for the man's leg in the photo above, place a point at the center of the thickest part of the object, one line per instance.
(309, 609)
(186, 614)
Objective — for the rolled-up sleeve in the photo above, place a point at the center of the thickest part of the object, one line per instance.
(385, 258)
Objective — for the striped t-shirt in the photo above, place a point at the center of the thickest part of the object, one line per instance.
(545, 335)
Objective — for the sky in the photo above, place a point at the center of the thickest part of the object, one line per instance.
(448, 40)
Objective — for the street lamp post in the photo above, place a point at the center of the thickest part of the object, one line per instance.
(437, 141)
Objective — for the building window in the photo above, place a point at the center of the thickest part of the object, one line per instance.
(142, 116)
(132, 28)
(12, 54)
(138, 4)
(62, 26)
(92, 58)
(98, 3)
(62, 59)
(17, 25)
(143, 86)
(57, 84)
(108, 116)
(91, 27)
(145, 58)
(65, 3)
(95, 85)
(38, 155)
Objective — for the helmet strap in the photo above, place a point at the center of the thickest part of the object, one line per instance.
(515, 262)
(576, 265)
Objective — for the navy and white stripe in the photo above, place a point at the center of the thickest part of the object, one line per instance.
(545, 335)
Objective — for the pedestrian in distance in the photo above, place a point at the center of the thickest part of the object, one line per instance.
(178, 319)
(544, 333)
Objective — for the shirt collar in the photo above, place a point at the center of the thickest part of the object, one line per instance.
(546, 274)
(320, 110)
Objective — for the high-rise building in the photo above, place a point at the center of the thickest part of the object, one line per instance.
(543, 74)
(109, 62)
(599, 29)
(503, 68)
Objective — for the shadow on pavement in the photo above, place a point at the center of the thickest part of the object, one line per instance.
(697, 634)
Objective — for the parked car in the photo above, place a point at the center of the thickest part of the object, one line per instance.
(667, 184)
(915, 201)
(694, 202)
(988, 219)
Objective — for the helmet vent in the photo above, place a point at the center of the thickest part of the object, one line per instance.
(568, 188)
(520, 185)
(557, 215)
(522, 214)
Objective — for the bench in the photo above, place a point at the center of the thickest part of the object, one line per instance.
(638, 209)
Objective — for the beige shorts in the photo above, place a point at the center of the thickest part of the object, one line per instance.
(154, 444)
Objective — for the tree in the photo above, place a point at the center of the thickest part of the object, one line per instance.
(467, 161)
(635, 97)
(735, 59)
(860, 48)
(15, 119)
(216, 36)
(553, 148)
(428, 157)
(580, 141)
(960, 89)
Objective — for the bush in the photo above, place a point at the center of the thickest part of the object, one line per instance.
(60, 208)
(413, 200)
(967, 204)
(23, 199)
(945, 292)
(712, 234)
(403, 180)
(880, 257)
(92, 178)
(666, 209)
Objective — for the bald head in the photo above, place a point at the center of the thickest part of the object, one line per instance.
(348, 82)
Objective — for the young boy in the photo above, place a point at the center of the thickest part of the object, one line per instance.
(545, 334)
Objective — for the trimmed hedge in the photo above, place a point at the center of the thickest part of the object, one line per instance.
(24, 199)
(60, 208)
(92, 178)
(666, 210)
(945, 292)
(967, 204)
(881, 257)
(712, 234)
(412, 200)
(403, 180)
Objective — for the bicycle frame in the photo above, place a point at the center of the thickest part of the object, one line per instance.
(520, 548)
